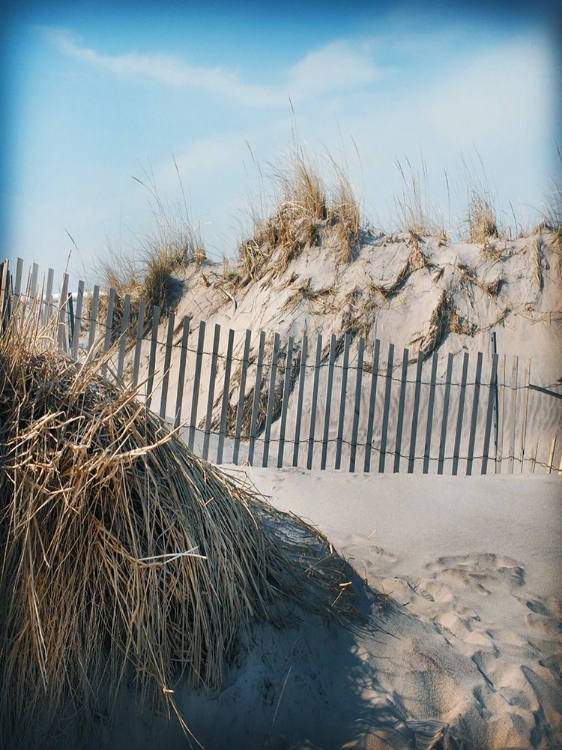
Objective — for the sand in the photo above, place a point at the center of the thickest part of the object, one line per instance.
(462, 651)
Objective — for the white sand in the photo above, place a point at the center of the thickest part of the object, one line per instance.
(469, 654)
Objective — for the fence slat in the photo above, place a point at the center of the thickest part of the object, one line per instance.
(211, 396)
(196, 384)
(524, 409)
(270, 399)
(514, 373)
(285, 401)
(401, 402)
(123, 335)
(138, 343)
(167, 364)
(152, 356)
(329, 387)
(489, 414)
(46, 311)
(302, 375)
(181, 372)
(416, 410)
(33, 281)
(372, 406)
(474, 419)
(93, 317)
(501, 412)
(447, 396)
(314, 401)
(460, 415)
(241, 396)
(108, 324)
(19, 277)
(386, 410)
(551, 456)
(78, 319)
(343, 398)
(62, 332)
(256, 403)
(430, 405)
(225, 395)
(357, 408)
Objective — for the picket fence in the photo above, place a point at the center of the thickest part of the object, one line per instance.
(314, 402)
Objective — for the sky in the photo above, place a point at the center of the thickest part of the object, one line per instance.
(203, 102)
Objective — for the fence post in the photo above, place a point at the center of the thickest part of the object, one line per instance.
(343, 397)
(167, 365)
(474, 419)
(225, 395)
(123, 335)
(312, 429)
(46, 310)
(386, 412)
(78, 320)
(551, 456)
(138, 343)
(285, 401)
(460, 415)
(181, 372)
(302, 376)
(329, 386)
(427, 450)
(501, 412)
(270, 399)
(372, 407)
(152, 355)
(241, 396)
(401, 401)
(211, 396)
(514, 373)
(489, 414)
(62, 333)
(445, 417)
(256, 403)
(196, 384)
(358, 382)
(524, 409)
(414, 432)
(4, 294)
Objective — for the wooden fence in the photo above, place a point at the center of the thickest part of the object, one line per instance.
(314, 402)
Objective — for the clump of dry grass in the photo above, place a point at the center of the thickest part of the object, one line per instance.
(444, 319)
(122, 555)
(537, 263)
(415, 261)
(469, 277)
(416, 213)
(481, 220)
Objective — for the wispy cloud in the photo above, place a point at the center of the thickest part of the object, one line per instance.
(336, 66)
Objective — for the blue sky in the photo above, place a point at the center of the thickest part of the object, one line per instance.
(94, 97)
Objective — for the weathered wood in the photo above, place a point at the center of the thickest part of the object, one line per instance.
(285, 401)
(501, 412)
(329, 386)
(343, 398)
(474, 418)
(401, 402)
(138, 343)
(241, 396)
(225, 395)
(46, 312)
(415, 415)
(534, 458)
(256, 403)
(460, 415)
(445, 416)
(109, 321)
(181, 371)
(152, 356)
(19, 277)
(78, 319)
(524, 409)
(196, 384)
(167, 365)
(357, 408)
(93, 317)
(551, 456)
(62, 314)
(298, 419)
(211, 396)
(372, 407)
(270, 399)
(514, 374)
(314, 405)
(33, 281)
(386, 408)
(123, 335)
(489, 414)
(430, 406)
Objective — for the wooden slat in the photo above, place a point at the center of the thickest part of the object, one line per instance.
(534, 458)
(196, 384)
(445, 417)
(372, 406)
(514, 374)
(551, 456)
(298, 419)
(474, 418)
(109, 321)
(386, 410)
(123, 335)
(225, 395)
(415, 415)
(430, 406)
(4, 294)
(501, 412)
(78, 323)
(211, 396)
(489, 414)
(460, 415)
(152, 356)
(33, 280)
(138, 343)
(256, 402)
(401, 403)
(329, 387)
(62, 332)
(241, 396)
(93, 317)
(19, 277)
(357, 409)
(343, 398)
(46, 312)
(270, 399)
(167, 365)
(181, 371)
(314, 405)
(285, 401)
(524, 410)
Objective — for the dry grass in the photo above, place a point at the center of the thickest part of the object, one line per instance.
(536, 262)
(416, 261)
(481, 221)
(416, 213)
(469, 277)
(444, 319)
(122, 554)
